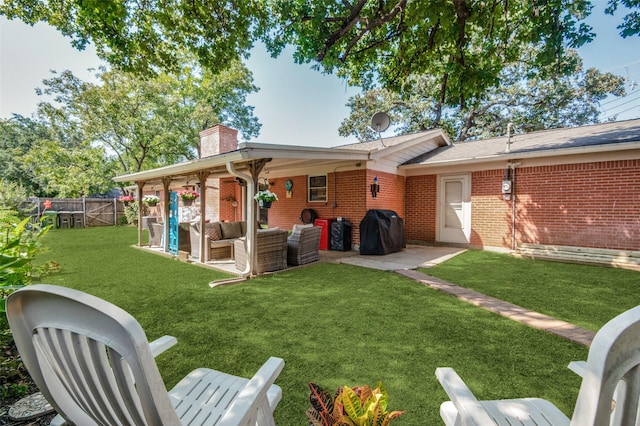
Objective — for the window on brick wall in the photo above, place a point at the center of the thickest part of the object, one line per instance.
(317, 188)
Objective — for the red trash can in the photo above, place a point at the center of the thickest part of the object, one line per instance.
(325, 234)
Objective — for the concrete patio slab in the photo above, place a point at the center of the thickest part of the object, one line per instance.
(412, 257)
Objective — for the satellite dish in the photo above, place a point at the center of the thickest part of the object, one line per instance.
(380, 121)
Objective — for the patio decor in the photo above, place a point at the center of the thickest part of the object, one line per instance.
(271, 246)
(126, 199)
(610, 374)
(120, 382)
(265, 198)
(302, 245)
(151, 200)
(188, 196)
(218, 240)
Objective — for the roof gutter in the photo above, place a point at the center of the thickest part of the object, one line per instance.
(624, 146)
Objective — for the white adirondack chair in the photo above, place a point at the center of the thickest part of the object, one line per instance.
(92, 362)
(613, 367)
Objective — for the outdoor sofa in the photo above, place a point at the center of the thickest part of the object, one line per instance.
(218, 240)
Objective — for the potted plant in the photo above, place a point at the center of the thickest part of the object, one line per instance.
(126, 199)
(265, 198)
(359, 406)
(188, 196)
(151, 200)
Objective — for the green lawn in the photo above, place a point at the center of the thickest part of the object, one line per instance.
(332, 324)
(587, 296)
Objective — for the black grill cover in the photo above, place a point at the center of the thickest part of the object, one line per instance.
(381, 232)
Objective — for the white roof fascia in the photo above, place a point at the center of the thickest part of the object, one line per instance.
(433, 135)
(186, 167)
(245, 151)
(624, 146)
(260, 150)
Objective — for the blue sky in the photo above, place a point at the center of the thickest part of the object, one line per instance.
(296, 105)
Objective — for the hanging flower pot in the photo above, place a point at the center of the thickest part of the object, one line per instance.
(188, 197)
(265, 198)
(126, 199)
(151, 200)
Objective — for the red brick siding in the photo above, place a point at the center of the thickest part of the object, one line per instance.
(421, 208)
(391, 195)
(229, 190)
(586, 205)
(352, 198)
(490, 213)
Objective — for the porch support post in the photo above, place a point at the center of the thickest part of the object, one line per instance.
(166, 184)
(252, 181)
(140, 186)
(202, 178)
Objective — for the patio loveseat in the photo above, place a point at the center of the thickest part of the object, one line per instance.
(218, 240)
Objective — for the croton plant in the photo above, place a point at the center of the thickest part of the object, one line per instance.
(359, 406)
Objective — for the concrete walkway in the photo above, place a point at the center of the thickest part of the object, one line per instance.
(509, 310)
(407, 261)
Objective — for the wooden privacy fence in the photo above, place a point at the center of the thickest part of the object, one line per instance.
(92, 211)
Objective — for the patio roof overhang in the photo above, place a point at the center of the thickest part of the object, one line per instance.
(279, 156)
(246, 163)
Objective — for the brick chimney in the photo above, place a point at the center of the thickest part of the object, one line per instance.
(218, 140)
(213, 141)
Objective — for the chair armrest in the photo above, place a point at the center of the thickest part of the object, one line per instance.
(578, 367)
(162, 344)
(470, 410)
(253, 396)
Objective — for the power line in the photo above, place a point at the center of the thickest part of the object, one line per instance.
(629, 101)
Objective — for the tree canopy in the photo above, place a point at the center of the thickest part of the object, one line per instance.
(524, 98)
(123, 123)
(464, 44)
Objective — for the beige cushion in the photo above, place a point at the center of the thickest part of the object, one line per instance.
(297, 228)
(231, 230)
(269, 230)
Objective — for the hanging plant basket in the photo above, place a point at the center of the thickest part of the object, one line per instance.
(187, 202)
(264, 204)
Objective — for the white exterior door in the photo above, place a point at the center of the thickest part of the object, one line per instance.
(454, 209)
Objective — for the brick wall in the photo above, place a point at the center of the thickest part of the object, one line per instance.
(421, 208)
(391, 195)
(230, 191)
(352, 198)
(490, 213)
(587, 205)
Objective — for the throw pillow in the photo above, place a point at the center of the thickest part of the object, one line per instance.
(231, 230)
(213, 233)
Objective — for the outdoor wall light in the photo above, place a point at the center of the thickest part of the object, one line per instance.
(374, 187)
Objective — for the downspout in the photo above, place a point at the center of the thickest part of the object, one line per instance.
(250, 218)
(140, 186)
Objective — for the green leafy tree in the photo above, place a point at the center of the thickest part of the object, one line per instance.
(18, 135)
(531, 99)
(463, 43)
(142, 123)
(630, 25)
(148, 37)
